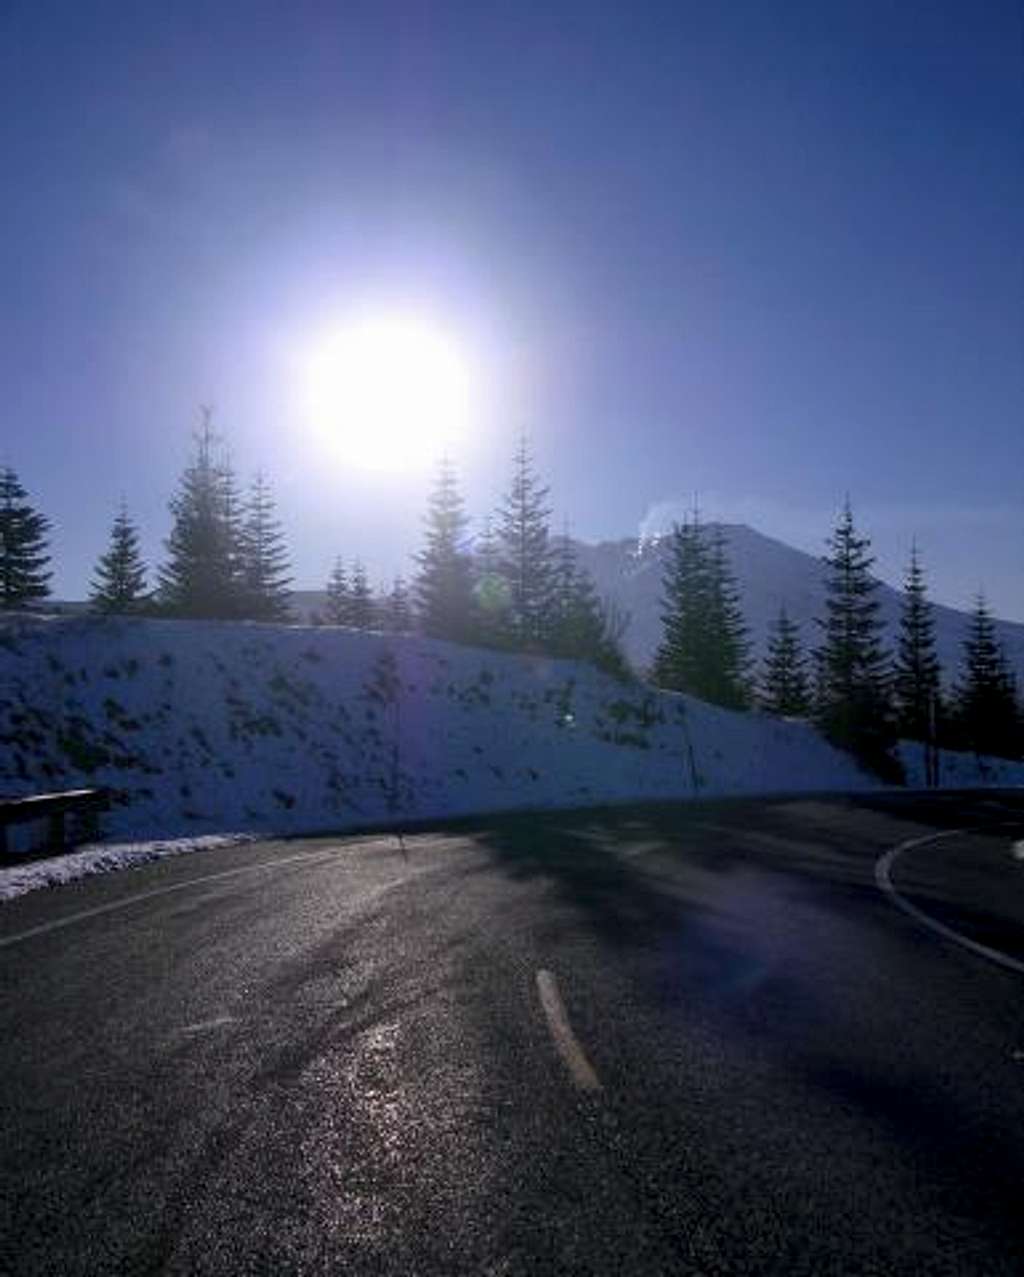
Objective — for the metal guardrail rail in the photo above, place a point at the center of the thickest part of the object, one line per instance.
(54, 809)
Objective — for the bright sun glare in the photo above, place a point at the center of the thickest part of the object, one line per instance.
(388, 393)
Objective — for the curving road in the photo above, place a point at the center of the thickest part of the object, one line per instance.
(650, 1040)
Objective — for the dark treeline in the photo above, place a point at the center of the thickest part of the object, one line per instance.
(517, 587)
(862, 696)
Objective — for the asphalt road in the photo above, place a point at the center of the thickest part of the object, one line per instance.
(650, 1040)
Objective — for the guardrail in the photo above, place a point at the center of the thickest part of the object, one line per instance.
(54, 809)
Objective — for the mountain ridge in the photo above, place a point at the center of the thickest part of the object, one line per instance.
(769, 574)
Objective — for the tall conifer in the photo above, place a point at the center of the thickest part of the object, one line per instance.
(361, 612)
(726, 648)
(525, 556)
(916, 675)
(987, 713)
(852, 666)
(580, 626)
(784, 686)
(263, 558)
(679, 660)
(443, 585)
(24, 549)
(232, 514)
(119, 580)
(201, 577)
(704, 648)
(491, 592)
(338, 600)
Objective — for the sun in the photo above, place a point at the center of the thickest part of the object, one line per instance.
(388, 393)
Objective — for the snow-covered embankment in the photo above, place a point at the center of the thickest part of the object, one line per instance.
(207, 727)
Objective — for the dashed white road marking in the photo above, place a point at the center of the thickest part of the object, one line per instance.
(883, 877)
(642, 848)
(567, 1046)
(204, 1026)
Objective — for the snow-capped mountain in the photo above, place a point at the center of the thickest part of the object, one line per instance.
(769, 574)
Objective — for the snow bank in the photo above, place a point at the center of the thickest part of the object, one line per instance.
(19, 879)
(201, 727)
(960, 771)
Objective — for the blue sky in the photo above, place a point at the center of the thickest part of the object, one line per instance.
(767, 254)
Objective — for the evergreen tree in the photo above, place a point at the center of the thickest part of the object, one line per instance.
(986, 711)
(704, 648)
(784, 686)
(679, 660)
(263, 558)
(525, 557)
(232, 513)
(851, 701)
(727, 660)
(490, 589)
(202, 574)
(575, 623)
(443, 586)
(396, 608)
(361, 613)
(916, 676)
(337, 603)
(24, 550)
(486, 552)
(580, 627)
(119, 581)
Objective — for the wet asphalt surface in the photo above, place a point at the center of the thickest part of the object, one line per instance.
(331, 1055)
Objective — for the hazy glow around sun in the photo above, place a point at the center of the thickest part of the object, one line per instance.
(388, 393)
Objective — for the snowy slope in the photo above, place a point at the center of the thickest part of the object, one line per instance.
(209, 728)
(204, 726)
(768, 573)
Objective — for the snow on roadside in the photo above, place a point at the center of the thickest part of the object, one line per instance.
(101, 859)
(200, 726)
(197, 727)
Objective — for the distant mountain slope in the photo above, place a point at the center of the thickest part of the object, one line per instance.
(769, 574)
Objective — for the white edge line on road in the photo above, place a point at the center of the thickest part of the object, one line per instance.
(83, 915)
(883, 877)
(565, 1040)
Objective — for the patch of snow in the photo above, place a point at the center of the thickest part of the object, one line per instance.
(197, 727)
(104, 858)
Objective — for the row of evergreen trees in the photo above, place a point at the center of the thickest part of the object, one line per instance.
(862, 696)
(516, 587)
(519, 587)
(225, 554)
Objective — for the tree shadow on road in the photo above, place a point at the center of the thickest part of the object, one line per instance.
(979, 1168)
(633, 874)
(693, 917)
